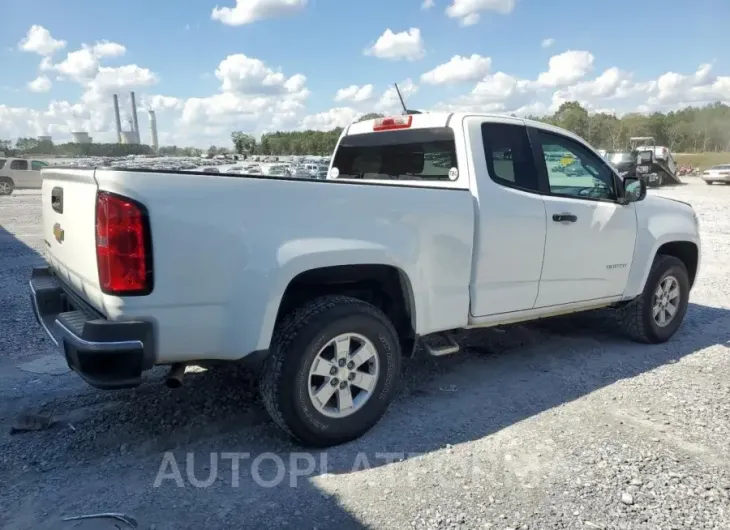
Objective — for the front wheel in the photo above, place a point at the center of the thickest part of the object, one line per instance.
(655, 316)
(332, 371)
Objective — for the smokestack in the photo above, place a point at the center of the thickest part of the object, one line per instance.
(134, 119)
(118, 119)
(153, 129)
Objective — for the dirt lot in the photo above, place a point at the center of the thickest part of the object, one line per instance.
(559, 425)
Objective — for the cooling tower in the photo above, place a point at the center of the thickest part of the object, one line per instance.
(153, 130)
(134, 117)
(80, 137)
(117, 118)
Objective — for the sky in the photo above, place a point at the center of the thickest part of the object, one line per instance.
(211, 67)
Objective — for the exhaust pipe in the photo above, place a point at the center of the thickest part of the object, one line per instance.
(175, 375)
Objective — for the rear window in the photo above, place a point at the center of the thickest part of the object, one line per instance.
(413, 154)
(19, 164)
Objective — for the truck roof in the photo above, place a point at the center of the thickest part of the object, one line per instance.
(443, 119)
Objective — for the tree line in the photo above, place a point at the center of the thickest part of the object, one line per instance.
(34, 147)
(689, 130)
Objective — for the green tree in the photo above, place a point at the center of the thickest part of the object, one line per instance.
(370, 116)
(243, 143)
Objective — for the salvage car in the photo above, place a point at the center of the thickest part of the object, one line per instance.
(426, 225)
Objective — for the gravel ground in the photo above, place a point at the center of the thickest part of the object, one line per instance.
(560, 425)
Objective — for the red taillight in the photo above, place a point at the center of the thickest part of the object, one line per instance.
(122, 246)
(393, 122)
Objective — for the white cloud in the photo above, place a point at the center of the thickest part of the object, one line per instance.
(427, 4)
(239, 73)
(499, 92)
(108, 49)
(458, 70)
(566, 68)
(613, 90)
(39, 40)
(161, 103)
(248, 11)
(252, 97)
(672, 90)
(40, 84)
(355, 93)
(469, 11)
(257, 96)
(612, 84)
(83, 64)
(546, 43)
(395, 46)
(93, 111)
(328, 120)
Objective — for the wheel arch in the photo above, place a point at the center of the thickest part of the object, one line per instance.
(687, 252)
(385, 286)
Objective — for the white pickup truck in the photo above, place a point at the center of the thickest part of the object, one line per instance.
(425, 224)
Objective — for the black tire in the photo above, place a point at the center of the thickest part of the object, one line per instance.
(297, 340)
(6, 186)
(636, 318)
(708, 182)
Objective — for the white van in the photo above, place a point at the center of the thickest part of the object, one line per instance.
(20, 173)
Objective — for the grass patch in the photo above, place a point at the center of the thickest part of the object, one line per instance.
(702, 161)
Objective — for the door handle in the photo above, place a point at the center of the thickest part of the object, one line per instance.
(57, 200)
(564, 218)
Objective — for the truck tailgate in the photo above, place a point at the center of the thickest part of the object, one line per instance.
(69, 218)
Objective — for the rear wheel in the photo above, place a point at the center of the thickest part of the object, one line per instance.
(332, 371)
(6, 186)
(655, 316)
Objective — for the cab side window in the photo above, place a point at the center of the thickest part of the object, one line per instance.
(573, 170)
(19, 164)
(509, 157)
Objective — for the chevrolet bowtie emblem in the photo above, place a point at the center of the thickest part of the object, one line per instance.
(58, 232)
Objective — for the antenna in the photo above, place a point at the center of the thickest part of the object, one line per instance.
(402, 103)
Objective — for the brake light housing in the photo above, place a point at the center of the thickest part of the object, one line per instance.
(123, 246)
(391, 123)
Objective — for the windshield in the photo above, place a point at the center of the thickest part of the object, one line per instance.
(618, 158)
(414, 154)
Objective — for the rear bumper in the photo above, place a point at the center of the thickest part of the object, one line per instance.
(107, 355)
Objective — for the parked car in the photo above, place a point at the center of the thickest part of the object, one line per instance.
(298, 171)
(330, 283)
(277, 170)
(19, 173)
(719, 173)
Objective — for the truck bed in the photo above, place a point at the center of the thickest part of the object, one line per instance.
(225, 246)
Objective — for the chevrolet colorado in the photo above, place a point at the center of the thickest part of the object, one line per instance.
(425, 224)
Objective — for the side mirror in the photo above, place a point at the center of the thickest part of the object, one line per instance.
(634, 189)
